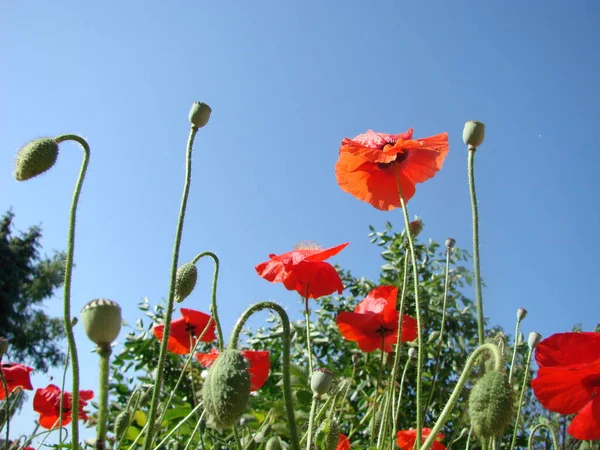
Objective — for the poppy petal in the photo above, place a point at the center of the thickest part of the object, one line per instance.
(260, 364)
(586, 425)
(207, 359)
(343, 443)
(179, 338)
(199, 321)
(353, 327)
(314, 280)
(372, 139)
(378, 299)
(564, 349)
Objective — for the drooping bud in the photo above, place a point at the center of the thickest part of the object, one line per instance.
(185, 281)
(473, 133)
(35, 158)
(327, 435)
(3, 346)
(102, 321)
(533, 340)
(450, 243)
(199, 114)
(415, 227)
(274, 444)
(320, 381)
(226, 389)
(491, 404)
(121, 423)
(521, 314)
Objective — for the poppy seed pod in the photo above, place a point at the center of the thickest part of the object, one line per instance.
(533, 340)
(320, 381)
(199, 114)
(415, 227)
(226, 389)
(274, 444)
(101, 321)
(185, 281)
(450, 243)
(473, 133)
(491, 404)
(327, 435)
(35, 158)
(521, 314)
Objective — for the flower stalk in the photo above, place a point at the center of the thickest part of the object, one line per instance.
(104, 353)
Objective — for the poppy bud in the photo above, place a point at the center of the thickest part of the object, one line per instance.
(533, 340)
(121, 423)
(491, 404)
(320, 382)
(473, 133)
(226, 389)
(521, 314)
(199, 114)
(3, 346)
(147, 396)
(185, 281)
(35, 158)
(412, 353)
(101, 321)
(450, 243)
(327, 435)
(415, 227)
(274, 444)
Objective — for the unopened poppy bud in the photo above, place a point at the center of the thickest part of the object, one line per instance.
(320, 381)
(274, 444)
(35, 158)
(521, 314)
(121, 423)
(185, 281)
(146, 396)
(533, 340)
(199, 114)
(473, 133)
(412, 352)
(102, 321)
(450, 243)
(491, 404)
(327, 435)
(3, 346)
(226, 389)
(415, 227)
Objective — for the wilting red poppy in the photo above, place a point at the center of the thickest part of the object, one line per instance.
(343, 443)
(304, 271)
(568, 381)
(259, 365)
(369, 165)
(46, 401)
(16, 376)
(406, 439)
(186, 330)
(374, 322)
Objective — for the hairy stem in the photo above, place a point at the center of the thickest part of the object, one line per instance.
(521, 395)
(539, 426)
(311, 422)
(308, 341)
(213, 302)
(514, 356)
(104, 353)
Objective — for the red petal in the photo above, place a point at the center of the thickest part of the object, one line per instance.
(586, 425)
(564, 349)
(313, 278)
(378, 299)
(273, 271)
(409, 328)
(16, 375)
(179, 339)
(343, 443)
(372, 139)
(260, 365)
(355, 327)
(207, 359)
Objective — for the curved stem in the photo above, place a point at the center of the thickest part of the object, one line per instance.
(169, 310)
(104, 353)
(514, 356)
(460, 384)
(311, 422)
(523, 387)
(69, 275)
(476, 265)
(539, 426)
(287, 385)
(213, 302)
(6, 407)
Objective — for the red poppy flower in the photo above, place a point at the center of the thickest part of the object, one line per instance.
(16, 376)
(259, 365)
(186, 330)
(304, 271)
(406, 439)
(374, 322)
(343, 443)
(46, 401)
(568, 380)
(368, 165)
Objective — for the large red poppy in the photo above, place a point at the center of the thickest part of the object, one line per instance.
(16, 376)
(46, 401)
(259, 365)
(406, 439)
(185, 331)
(304, 271)
(374, 322)
(343, 443)
(369, 165)
(568, 380)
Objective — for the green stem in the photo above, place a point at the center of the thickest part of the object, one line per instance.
(169, 310)
(469, 438)
(194, 431)
(476, 265)
(69, 275)
(62, 397)
(213, 303)
(176, 427)
(287, 385)
(522, 394)
(397, 412)
(311, 422)
(236, 434)
(376, 396)
(539, 426)
(308, 341)
(104, 353)
(413, 259)
(514, 356)
(460, 384)
(6, 407)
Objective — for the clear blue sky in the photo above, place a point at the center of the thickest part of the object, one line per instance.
(287, 81)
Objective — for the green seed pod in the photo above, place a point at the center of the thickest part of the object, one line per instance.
(185, 281)
(121, 423)
(320, 381)
(199, 114)
(102, 321)
(226, 389)
(35, 158)
(327, 435)
(473, 133)
(491, 404)
(274, 444)
(450, 243)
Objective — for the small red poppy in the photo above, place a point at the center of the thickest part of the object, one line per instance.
(374, 322)
(46, 401)
(568, 381)
(259, 365)
(16, 376)
(369, 165)
(304, 271)
(406, 439)
(343, 443)
(185, 331)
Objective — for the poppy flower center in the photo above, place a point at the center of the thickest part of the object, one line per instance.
(383, 331)
(191, 329)
(400, 157)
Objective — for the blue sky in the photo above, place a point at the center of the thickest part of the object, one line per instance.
(287, 81)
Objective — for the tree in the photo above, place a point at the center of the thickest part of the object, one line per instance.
(26, 281)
